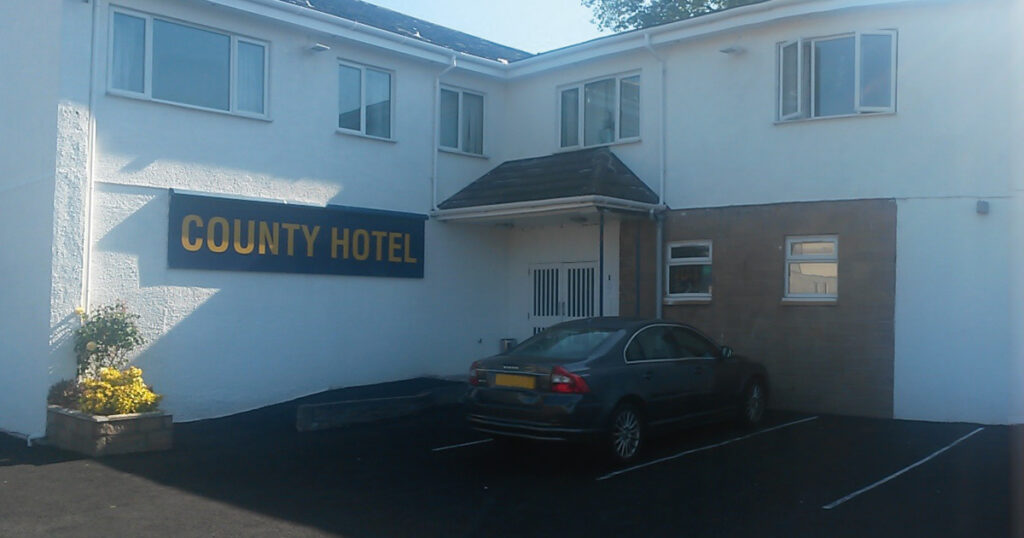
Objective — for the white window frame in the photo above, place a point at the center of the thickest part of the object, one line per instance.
(362, 100)
(699, 260)
(147, 93)
(805, 51)
(458, 118)
(581, 108)
(805, 258)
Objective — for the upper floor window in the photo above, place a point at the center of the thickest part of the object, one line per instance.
(364, 100)
(167, 61)
(600, 112)
(842, 75)
(812, 267)
(462, 121)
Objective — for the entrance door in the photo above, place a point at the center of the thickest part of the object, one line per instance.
(563, 291)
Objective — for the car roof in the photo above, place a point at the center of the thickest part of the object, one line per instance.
(614, 323)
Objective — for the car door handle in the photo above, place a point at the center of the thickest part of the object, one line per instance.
(648, 375)
(698, 370)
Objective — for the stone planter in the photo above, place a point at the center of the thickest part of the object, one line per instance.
(98, 435)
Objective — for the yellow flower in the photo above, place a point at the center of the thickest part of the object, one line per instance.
(91, 346)
(80, 311)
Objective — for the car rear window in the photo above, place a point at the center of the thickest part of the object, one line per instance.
(563, 343)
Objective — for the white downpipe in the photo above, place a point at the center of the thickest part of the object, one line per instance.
(437, 133)
(659, 270)
(90, 172)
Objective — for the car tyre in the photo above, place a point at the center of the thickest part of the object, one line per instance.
(755, 400)
(626, 433)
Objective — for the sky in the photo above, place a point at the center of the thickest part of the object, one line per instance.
(530, 25)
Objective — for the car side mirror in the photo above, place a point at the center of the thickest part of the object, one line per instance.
(726, 352)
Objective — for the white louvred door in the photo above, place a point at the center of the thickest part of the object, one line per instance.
(562, 291)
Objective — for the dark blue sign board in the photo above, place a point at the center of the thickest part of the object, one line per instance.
(226, 234)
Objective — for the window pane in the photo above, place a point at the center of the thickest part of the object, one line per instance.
(876, 70)
(789, 85)
(657, 343)
(349, 97)
(814, 278)
(378, 103)
(834, 77)
(599, 112)
(128, 71)
(570, 118)
(812, 248)
(191, 66)
(250, 77)
(689, 279)
(472, 123)
(693, 344)
(629, 107)
(449, 119)
(690, 251)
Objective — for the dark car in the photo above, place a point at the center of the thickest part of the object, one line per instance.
(612, 380)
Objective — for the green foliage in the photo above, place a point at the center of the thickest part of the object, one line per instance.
(116, 392)
(621, 15)
(105, 339)
(65, 393)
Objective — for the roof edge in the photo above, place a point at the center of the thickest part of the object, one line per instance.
(544, 207)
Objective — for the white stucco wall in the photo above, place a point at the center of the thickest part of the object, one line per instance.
(954, 329)
(222, 342)
(29, 39)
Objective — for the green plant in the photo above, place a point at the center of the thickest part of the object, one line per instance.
(65, 393)
(117, 392)
(106, 338)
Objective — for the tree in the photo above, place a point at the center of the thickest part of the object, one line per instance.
(620, 15)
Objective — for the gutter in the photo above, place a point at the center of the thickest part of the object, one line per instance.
(542, 207)
(328, 24)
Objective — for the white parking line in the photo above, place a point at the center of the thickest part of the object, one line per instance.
(471, 443)
(894, 475)
(703, 448)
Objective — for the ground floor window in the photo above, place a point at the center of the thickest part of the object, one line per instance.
(812, 267)
(689, 270)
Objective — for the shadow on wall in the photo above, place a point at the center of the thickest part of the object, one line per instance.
(63, 363)
(221, 342)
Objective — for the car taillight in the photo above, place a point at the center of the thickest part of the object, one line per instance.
(567, 382)
(474, 375)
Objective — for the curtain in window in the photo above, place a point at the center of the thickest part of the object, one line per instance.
(378, 103)
(472, 123)
(128, 71)
(349, 98)
(599, 112)
(191, 66)
(570, 118)
(449, 119)
(250, 77)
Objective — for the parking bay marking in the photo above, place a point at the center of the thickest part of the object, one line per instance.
(703, 448)
(471, 443)
(836, 503)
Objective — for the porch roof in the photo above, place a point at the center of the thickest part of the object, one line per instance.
(570, 181)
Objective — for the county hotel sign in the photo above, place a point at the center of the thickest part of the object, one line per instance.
(207, 232)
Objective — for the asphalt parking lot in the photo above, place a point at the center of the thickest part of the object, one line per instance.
(429, 475)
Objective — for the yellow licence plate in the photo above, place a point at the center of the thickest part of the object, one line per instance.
(518, 381)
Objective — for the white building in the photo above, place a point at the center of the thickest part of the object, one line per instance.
(832, 186)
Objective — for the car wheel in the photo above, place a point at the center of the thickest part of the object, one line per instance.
(754, 402)
(626, 432)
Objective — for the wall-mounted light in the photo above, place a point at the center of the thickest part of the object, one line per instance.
(733, 49)
(982, 207)
(319, 47)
